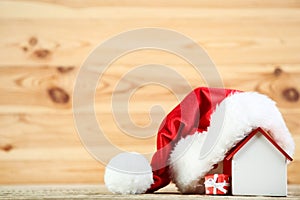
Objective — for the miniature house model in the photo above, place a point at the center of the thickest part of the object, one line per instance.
(257, 166)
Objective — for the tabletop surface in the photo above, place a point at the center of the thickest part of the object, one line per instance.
(254, 45)
(100, 192)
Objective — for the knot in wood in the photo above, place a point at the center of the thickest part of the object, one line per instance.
(63, 69)
(33, 41)
(7, 147)
(58, 95)
(42, 53)
(291, 94)
(278, 71)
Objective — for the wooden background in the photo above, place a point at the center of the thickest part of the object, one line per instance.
(254, 44)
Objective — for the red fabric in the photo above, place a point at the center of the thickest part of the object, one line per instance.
(192, 114)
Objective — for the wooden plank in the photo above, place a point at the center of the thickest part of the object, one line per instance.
(49, 143)
(40, 9)
(51, 171)
(85, 191)
(175, 3)
(36, 131)
(56, 43)
(49, 89)
(258, 42)
(58, 131)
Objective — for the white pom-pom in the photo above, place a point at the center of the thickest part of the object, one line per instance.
(128, 173)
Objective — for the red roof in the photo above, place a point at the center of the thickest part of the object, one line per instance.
(244, 141)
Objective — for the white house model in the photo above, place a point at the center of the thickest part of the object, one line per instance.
(257, 166)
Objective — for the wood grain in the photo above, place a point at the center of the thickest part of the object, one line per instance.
(254, 44)
(48, 89)
(88, 191)
(257, 39)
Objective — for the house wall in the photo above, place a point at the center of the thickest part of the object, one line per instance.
(255, 45)
(258, 168)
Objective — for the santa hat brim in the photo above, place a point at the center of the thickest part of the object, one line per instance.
(233, 119)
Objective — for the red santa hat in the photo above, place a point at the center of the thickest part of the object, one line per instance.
(207, 117)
